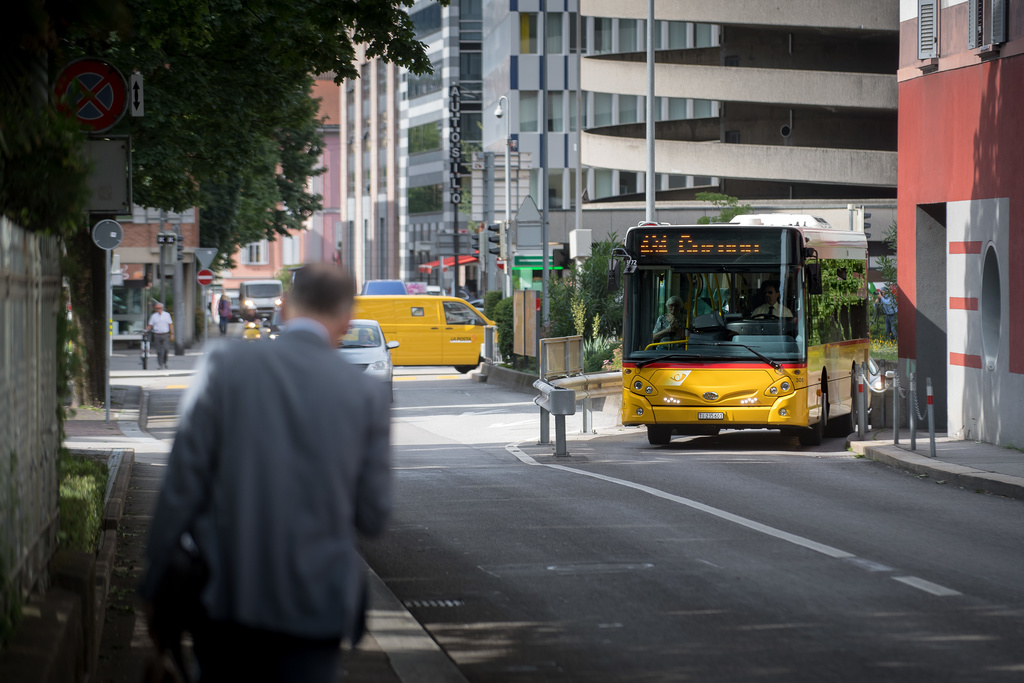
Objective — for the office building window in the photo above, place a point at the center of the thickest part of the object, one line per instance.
(290, 253)
(527, 33)
(471, 66)
(602, 35)
(556, 195)
(702, 109)
(556, 123)
(628, 35)
(703, 36)
(628, 182)
(255, 254)
(627, 109)
(553, 30)
(676, 108)
(574, 42)
(425, 137)
(528, 111)
(602, 182)
(602, 109)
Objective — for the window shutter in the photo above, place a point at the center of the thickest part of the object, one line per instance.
(998, 22)
(975, 12)
(927, 29)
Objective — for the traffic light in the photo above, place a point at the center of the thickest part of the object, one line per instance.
(474, 242)
(497, 238)
(167, 242)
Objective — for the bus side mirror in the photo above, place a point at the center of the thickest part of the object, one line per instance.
(614, 274)
(813, 275)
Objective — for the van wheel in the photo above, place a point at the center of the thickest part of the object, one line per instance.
(465, 368)
(659, 435)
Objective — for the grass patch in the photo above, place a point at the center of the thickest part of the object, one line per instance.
(83, 485)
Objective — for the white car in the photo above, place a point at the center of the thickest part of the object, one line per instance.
(365, 347)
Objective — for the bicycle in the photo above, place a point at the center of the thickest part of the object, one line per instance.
(145, 344)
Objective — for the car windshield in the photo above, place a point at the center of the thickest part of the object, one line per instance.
(263, 291)
(361, 336)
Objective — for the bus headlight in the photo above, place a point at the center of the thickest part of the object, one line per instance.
(780, 388)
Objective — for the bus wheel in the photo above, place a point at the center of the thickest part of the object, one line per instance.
(659, 435)
(463, 369)
(813, 435)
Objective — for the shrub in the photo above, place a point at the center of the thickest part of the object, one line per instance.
(599, 351)
(491, 299)
(83, 485)
(503, 316)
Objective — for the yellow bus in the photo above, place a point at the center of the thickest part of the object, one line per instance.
(753, 324)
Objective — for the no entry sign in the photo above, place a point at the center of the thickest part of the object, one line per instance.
(98, 94)
(204, 277)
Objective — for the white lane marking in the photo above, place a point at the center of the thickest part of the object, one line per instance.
(926, 586)
(513, 424)
(913, 581)
(722, 514)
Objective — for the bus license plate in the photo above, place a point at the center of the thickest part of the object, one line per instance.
(710, 416)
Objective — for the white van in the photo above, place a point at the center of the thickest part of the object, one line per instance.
(259, 298)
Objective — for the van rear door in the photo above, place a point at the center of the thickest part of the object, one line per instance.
(462, 335)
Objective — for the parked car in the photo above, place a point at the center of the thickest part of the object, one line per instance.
(383, 287)
(365, 347)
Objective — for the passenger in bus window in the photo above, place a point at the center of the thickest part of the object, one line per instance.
(671, 326)
(771, 308)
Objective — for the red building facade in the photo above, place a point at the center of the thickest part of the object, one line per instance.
(960, 207)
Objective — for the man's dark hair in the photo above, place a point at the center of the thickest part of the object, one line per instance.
(322, 288)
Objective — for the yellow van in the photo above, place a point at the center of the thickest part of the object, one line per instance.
(431, 330)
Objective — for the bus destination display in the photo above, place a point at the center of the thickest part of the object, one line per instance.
(719, 243)
(688, 244)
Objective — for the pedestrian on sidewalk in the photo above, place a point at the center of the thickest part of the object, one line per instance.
(281, 459)
(162, 325)
(224, 313)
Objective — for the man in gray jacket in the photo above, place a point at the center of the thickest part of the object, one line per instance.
(281, 458)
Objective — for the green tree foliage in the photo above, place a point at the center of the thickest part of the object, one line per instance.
(842, 283)
(229, 124)
(586, 289)
(729, 206)
(503, 317)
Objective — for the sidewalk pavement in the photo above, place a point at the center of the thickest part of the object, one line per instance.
(396, 647)
(973, 465)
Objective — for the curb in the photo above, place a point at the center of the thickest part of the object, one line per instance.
(943, 472)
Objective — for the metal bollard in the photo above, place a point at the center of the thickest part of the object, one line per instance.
(545, 427)
(895, 407)
(931, 420)
(912, 411)
(862, 407)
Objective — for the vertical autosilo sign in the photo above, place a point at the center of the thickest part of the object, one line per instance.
(455, 145)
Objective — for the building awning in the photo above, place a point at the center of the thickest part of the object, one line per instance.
(449, 261)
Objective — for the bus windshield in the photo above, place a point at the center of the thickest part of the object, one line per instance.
(720, 313)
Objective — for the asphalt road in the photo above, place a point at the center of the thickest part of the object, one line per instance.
(739, 557)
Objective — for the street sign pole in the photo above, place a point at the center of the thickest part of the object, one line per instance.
(107, 235)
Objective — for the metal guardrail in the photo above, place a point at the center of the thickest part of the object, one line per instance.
(557, 393)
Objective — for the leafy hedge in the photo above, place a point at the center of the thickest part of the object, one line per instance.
(83, 485)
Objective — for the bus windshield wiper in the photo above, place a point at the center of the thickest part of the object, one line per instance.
(775, 364)
(668, 356)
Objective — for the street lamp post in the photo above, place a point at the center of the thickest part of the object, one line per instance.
(498, 112)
